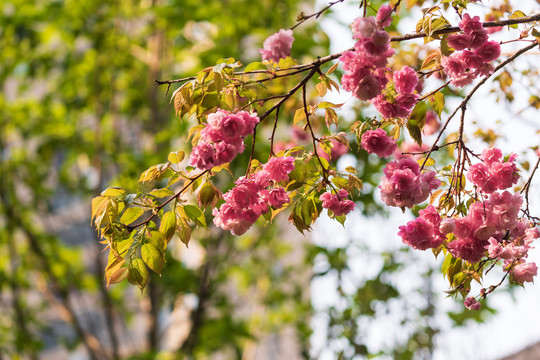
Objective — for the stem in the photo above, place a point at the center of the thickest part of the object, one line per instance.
(303, 18)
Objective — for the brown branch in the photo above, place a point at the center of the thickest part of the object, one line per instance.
(302, 18)
(527, 185)
(434, 91)
(453, 29)
(290, 93)
(331, 57)
(313, 138)
(274, 133)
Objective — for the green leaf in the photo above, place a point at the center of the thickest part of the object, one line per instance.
(437, 103)
(176, 157)
(515, 15)
(195, 214)
(299, 115)
(429, 162)
(207, 194)
(332, 68)
(168, 225)
(150, 174)
(138, 274)
(255, 66)
(210, 101)
(152, 257)
(114, 192)
(286, 63)
(326, 105)
(130, 215)
(416, 122)
(158, 239)
(183, 230)
(122, 246)
(340, 182)
(161, 193)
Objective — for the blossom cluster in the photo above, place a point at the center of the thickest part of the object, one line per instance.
(404, 186)
(338, 203)
(277, 46)
(473, 55)
(253, 195)
(493, 173)
(491, 228)
(222, 138)
(365, 67)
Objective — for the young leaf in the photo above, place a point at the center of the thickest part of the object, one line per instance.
(130, 215)
(161, 193)
(195, 214)
(183, 230)
(114, 192)
(158, 239)
(255, 66)
(176, 157)
(437, 103)
(168, 225)
(207, 195)
(138, 274)
(116, 271)
(152, 257)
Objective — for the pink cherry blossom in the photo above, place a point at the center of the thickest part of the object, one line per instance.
(378, 142)
(276, 197)
(202, 156)
(383, 16)
(277, 46)
(477, 38)
(404, 186)
(524, 272)
(489, 51)
(469, 25)
(364, 27)
(447, 226)
(405, 80)
(338, 203)
(468, 249)
(472, 304)
(278, 168)
(458, 41)
(222, 138)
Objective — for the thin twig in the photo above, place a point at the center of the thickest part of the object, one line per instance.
(313, 137)
(527, 185)
(274, 133)
(303, 18)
